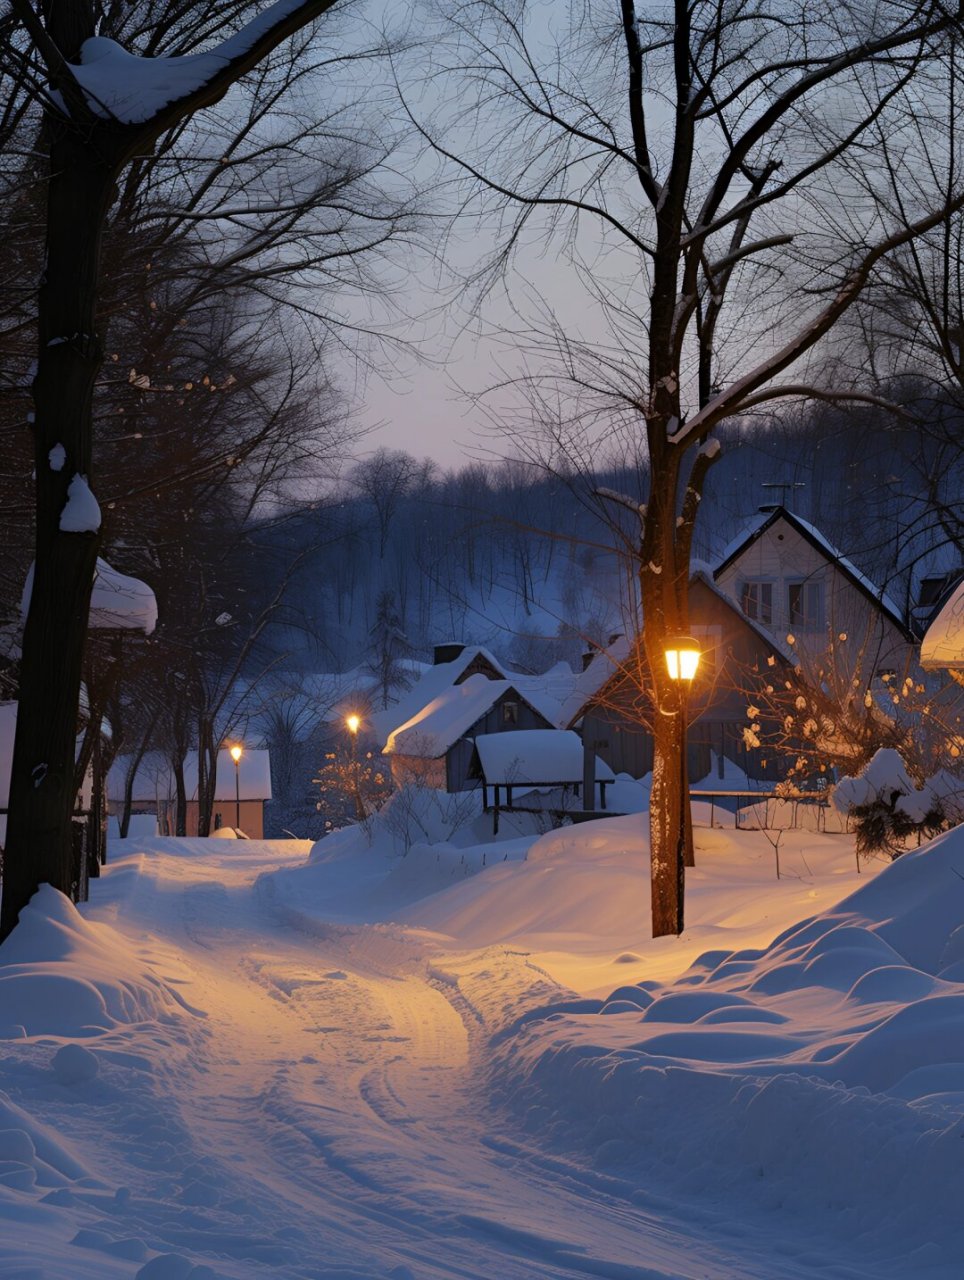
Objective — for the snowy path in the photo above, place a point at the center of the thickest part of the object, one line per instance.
(323, 1112)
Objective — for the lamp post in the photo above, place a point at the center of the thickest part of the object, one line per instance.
(353, 724)
(682, 663)
(237, 752)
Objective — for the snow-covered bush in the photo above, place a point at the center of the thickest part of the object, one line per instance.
(887, 809)
(417, 813)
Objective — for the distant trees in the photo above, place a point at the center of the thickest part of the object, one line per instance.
(389, 648)
(688, 165)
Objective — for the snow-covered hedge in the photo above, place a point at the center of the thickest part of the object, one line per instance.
(888, 809)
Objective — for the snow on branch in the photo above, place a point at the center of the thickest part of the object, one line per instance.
(624, 500)
(158, 91)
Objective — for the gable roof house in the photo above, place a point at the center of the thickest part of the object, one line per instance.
(786, 577)
(436, 744)
(737, 652)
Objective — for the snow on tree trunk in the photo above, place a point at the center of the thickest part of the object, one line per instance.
(42, 789)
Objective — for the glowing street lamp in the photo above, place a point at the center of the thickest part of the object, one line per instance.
(683, 659)
(353, 723)
(237, 751)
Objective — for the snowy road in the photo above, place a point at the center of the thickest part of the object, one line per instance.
(322, 1109)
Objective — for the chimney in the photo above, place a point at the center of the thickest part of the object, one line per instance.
(447, 652)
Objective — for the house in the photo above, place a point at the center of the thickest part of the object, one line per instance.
(737, 653)
(786, 577)
(942, 648)
(435, 745)
(239, 799)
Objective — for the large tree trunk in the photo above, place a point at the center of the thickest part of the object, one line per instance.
(664, 587)
(42, 783)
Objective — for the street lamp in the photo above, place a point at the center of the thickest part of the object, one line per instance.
(237, 751)
(682, 663)
(353, 724)
(682, 659)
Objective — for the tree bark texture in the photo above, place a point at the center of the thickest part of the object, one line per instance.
(42, 789)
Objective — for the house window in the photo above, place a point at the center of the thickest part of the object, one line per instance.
(756, 600)
(805, 605)
(510, 713)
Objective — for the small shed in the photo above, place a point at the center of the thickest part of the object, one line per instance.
(436, 745)
(553, 758)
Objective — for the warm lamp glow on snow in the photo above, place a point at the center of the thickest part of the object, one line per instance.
(682, 657)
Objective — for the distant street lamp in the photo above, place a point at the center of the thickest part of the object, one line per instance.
(237, 752)
(682, 664)
(353, 724)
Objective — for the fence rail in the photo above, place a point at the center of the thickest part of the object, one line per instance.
(772, 811)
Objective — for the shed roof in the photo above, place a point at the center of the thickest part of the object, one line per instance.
(535, 757)
(118, 602)
(438, 726)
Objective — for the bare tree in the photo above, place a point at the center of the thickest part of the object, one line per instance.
(686, 164)
(101, 112)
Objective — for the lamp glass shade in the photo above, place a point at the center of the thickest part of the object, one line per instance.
(682, 657)
(353, 722)
(236, 753)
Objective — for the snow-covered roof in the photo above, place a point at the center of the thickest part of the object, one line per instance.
(535, 756)
(943, 642)
(118, 602)
(588, 683)
(438, 726)
(435, 680)
(548, 691)
(154, 778)
(769, 515)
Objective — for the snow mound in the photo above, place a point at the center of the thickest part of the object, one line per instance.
(60, 975)
(799, 1072)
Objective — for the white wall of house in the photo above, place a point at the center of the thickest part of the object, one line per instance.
(790, 587)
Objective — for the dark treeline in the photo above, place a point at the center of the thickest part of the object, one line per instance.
(517, 557)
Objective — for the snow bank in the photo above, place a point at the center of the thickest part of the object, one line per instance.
(62, 975)
(420, 842)
(822, 1074)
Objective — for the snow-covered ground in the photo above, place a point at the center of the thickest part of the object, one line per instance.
(254, 1059)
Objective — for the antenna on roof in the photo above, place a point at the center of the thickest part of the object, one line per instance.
(784, 485)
